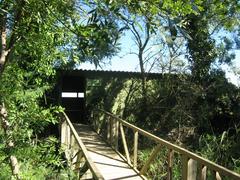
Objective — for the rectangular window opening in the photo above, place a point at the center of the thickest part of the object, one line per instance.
(80, 95)
(69, 95)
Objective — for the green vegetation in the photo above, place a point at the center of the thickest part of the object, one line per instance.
(37, 37)
(192, 104)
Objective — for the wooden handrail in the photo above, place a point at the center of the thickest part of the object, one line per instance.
(187, 155)
(95, 172)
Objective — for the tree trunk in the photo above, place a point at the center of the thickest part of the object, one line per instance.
(144, 89)
(4, 51)
(10, 144)
(144, 92)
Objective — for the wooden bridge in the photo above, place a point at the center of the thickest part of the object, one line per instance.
(97, 157)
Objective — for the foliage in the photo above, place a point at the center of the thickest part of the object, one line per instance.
(39, 159)
(179, 110)
(222, 149)
(158, 168)
(37, 37)
(202, 99)
(41, 37)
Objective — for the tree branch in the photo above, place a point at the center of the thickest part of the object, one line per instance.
(148, 35)
(136, 34)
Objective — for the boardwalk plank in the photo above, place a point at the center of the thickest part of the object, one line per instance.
(109, 163)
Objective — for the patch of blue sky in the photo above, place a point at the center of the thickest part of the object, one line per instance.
(126, 60)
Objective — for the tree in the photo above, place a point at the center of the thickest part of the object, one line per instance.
(144, 20)
(36, 38)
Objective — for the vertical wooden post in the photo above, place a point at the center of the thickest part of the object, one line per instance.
(70, 139)
(111, 130)
(97, 121)
(72, 142)
(170, 164)
(68, 136)
(192, 169)
(115, 134)
(189, 168)
(184, 167)
(63, 132)
(203, 172)
(135, 151)
(108, 129)
(218, 177)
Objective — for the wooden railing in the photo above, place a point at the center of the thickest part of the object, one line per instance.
(193, 165)
(80, 160)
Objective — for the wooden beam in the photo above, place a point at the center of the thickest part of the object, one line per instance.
(135, 150)
(72, 141)
(192, 169)
(115, 134)
(218, 177)
(184, 167)
(63, 132)
(170, 164)
(108, 130)
(68, 136)
(78, 161)
(189, 168)
(83, 170)
(125, 144)
(150, 159)
(111, 131)
(203, 175)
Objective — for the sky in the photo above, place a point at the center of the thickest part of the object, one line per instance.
(125, 61)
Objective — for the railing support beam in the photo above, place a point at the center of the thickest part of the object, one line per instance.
(150, 159)
(125, 144)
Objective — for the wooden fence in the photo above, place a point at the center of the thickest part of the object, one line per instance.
(194, 167)
(80, 160)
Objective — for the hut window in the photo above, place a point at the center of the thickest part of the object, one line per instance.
(72, 95)
(69, 94)
(80, 95)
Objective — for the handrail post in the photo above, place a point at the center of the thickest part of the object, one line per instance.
(115, 134)
(63, 132)
(72, 140)
(135, 150)
(170, 164)
(108, 129)
(189, 168)
(218, 177)
(68, 136)
(184, 167)
(111, 130)
(202, 172)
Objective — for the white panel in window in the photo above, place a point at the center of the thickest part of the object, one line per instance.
(69, 94)
(80, 95)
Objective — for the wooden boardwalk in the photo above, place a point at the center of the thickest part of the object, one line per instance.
(87, 152)
(109, 163)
